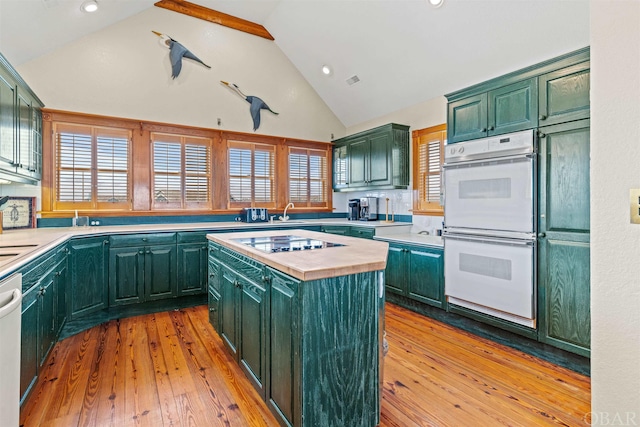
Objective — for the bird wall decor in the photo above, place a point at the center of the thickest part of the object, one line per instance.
(176, 52)
(257, 104)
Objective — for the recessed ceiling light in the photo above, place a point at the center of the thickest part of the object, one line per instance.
(436, 3)
(89, 6)
(326, 70)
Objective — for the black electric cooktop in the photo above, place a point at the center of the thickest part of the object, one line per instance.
(285, 243)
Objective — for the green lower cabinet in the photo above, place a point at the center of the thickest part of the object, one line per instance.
(46, 316)
(192, 268)
(417, 273)
(342, 230)
(139, 274)
(362, 232)
(29, 344)
(214, 309)
(243, 324)
(283, 388)
(88, 281)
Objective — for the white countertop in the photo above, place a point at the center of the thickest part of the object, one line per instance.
(412, 238)
(46, 238)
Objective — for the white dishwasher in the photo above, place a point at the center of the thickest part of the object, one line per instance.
(10, 317)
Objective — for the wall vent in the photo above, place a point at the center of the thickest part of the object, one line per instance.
(353, 80)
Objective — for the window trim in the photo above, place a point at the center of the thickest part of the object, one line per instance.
(423, 207)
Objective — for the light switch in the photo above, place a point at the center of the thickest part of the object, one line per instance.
(634, 205)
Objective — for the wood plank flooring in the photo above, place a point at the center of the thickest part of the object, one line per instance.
(171, 369)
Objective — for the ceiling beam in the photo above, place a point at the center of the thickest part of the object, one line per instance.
(201, 12)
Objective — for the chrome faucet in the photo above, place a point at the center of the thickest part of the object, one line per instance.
(284, 216)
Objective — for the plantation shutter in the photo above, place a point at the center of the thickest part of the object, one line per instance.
(181, 172)
(428, 152)
(251, 174)
(92, 168)
(308, 184)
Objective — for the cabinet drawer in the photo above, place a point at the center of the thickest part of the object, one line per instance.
(247, 267)
(35, 270)
(142, 239)
(342, 230)
(362, 232)
(192, 236)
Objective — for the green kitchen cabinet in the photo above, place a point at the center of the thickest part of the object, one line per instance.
(243, 323)
(192, 268)
(564, 94)
(342, 230)
(374, 159)
(416, 272)
(282, 392)
(362, 232)
(142, 273)
(564, 235)
(88, 278)
(509, 108)
(20, 128)
(44, 281)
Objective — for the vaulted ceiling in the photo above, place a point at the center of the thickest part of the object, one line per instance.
(403, 51)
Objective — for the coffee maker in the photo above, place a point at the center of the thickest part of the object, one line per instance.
(353, 214)
(368, 209)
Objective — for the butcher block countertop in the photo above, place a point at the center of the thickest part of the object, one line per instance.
(356, 256)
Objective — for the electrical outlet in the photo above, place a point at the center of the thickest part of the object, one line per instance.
(634, 205)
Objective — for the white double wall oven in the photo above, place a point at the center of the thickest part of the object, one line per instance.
(489, 234)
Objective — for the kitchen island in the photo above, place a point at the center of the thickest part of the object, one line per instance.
(304, 324)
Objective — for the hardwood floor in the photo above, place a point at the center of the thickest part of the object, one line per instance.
(171, 369)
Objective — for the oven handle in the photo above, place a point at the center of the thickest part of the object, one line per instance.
(491, 240)
(480, 162)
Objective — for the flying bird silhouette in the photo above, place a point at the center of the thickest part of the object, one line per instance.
(257, 104)
(176, 52)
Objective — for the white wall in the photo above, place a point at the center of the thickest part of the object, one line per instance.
(615, 243)
(123, 71)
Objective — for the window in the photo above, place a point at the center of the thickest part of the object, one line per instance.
(181, 172)
(92, 168)
(308, 177)
(428, 155)
(251, 175)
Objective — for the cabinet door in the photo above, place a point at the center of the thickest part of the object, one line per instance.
(88, 265)
(35, 160)
(160, 272)
(340, 168)
(7, 124)
(467, 118)
(29, 342)
(426, 276)
(564, 253)
(192, 268)
(513, 107)
(358, 162)
(24, 133)
(214, 311)
(396, 278)
(283, 387)
(46, 316)
(126, 275)
(253, 332)
(379, 167)
(564, 95)
(229, 307)
(62, 275)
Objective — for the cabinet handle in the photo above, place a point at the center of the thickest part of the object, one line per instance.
(542, 135)
(43, 291)
(66, 250)
(141, 252)
(58, 273)
(483, 130)
(144, 239)
(543, 117)
(211, 309)
(106, 242)
(212, 274)
(542, 234)
(148, 251)
(266, 279)
(491, 128)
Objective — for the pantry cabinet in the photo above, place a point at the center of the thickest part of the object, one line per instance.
(564, 94)
(374, 159)
(563, 237)
(20, 128)
(416, 273)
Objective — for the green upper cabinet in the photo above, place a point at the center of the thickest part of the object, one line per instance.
(20, 128)
(551, 92)
(506, 109)
(564, 95)
(373, 159)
